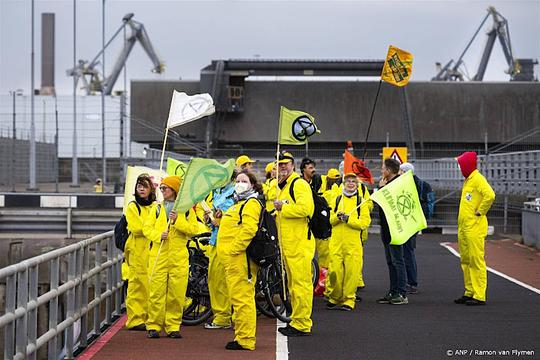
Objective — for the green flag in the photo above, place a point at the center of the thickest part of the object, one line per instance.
(176, 167)
(295, 127)
(401, 206)
(201, 177)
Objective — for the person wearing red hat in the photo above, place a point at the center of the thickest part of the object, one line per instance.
(476, 199)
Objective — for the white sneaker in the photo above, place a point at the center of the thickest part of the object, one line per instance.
(213, 326)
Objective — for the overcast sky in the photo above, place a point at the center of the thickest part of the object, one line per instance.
(189, 34)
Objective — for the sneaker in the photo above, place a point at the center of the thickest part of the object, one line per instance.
(385, 299)
(399, 300)
(346, 308)
(411, 289)
(463, 299)
(174, 335)
(152, 334)
(331, 306)
(474, 302)
(234, 345)
(290, 331)
(214, 326)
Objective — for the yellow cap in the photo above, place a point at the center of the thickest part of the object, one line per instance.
(285, 157)
(350, 174)
(173, 182)
(243, 159)
(333, 173)
(269, 167)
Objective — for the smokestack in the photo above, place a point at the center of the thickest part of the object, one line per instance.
(47, 54)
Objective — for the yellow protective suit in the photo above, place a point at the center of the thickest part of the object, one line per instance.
(168, 272)
(232, 242)
(270, 193)
(346, 250)
(298, 250)
(476, 196)
(136, 261)
(369, 205)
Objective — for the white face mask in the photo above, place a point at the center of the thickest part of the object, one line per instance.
(240, 187)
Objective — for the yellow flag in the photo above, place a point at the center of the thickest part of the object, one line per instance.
(295, 127)
(397, 69)
(401, 205)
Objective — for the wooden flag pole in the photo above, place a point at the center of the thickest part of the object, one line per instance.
(371, 120)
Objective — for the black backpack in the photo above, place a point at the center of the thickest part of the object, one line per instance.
(319, 222)
(121, 232)
(263, 248)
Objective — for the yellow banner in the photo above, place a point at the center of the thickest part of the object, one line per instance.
(397, 69)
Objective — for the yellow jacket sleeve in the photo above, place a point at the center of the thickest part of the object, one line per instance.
(150, 230)
(360, 222)
(187, 225)
(134, 219)
(249, 226)
(303, 205)
(488, 195)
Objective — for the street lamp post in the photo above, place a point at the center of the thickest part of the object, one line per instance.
(14, 94)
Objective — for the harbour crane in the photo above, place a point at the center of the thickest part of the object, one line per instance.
(518, 69)
(87, 72)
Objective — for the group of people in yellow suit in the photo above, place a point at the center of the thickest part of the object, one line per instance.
(157, 256)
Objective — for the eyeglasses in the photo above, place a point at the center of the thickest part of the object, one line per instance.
(163, 188)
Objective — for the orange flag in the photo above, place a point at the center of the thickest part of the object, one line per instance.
(357, 166)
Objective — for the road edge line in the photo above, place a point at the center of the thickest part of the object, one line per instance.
(282, 345)
(103, 339)
(496, 272)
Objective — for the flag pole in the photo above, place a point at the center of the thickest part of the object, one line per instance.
(371, 120)
(278, 191)
(163, 150)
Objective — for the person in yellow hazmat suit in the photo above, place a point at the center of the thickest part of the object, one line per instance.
(298, 249)
(168, 264)
(136, 253)
(235, 234)
(349, 220)
(243, 162)
(476, 199)
(270, 185)
(222, 200)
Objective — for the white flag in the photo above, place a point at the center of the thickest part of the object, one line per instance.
(185, 108)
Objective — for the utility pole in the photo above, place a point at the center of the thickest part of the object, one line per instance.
(32, 159)
(57, 160)
(74, 162)
(103, 157)
(14, 93)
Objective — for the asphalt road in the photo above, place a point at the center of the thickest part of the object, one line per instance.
(431, 326)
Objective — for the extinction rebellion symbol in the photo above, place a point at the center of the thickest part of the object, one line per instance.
(302, 128)
(405, 205)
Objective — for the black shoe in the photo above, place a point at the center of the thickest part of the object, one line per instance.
(174, 335)
(463, 299)
(385, 299)
(290, 331)
(331, 306)
(474, 302)
(152, 334)
(141, 327)
(346, 308)
(358, 298)
(234, 345)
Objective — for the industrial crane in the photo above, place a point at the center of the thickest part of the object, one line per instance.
(91, 78)
(518, 69)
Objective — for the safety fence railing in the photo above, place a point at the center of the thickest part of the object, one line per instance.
(57, 302)
(515, 173)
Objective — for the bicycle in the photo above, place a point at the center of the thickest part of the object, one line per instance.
(198, 308)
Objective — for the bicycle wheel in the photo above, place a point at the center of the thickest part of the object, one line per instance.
(198, 308)
(279, 304)
(260, 298)
(314, 272)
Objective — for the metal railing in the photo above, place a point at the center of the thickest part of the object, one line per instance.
(82, 277)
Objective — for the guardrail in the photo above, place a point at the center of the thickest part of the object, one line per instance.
(82, 288)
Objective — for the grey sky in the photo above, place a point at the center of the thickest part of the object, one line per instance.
(189, 34)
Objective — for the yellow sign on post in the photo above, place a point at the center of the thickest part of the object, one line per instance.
(398, 153)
